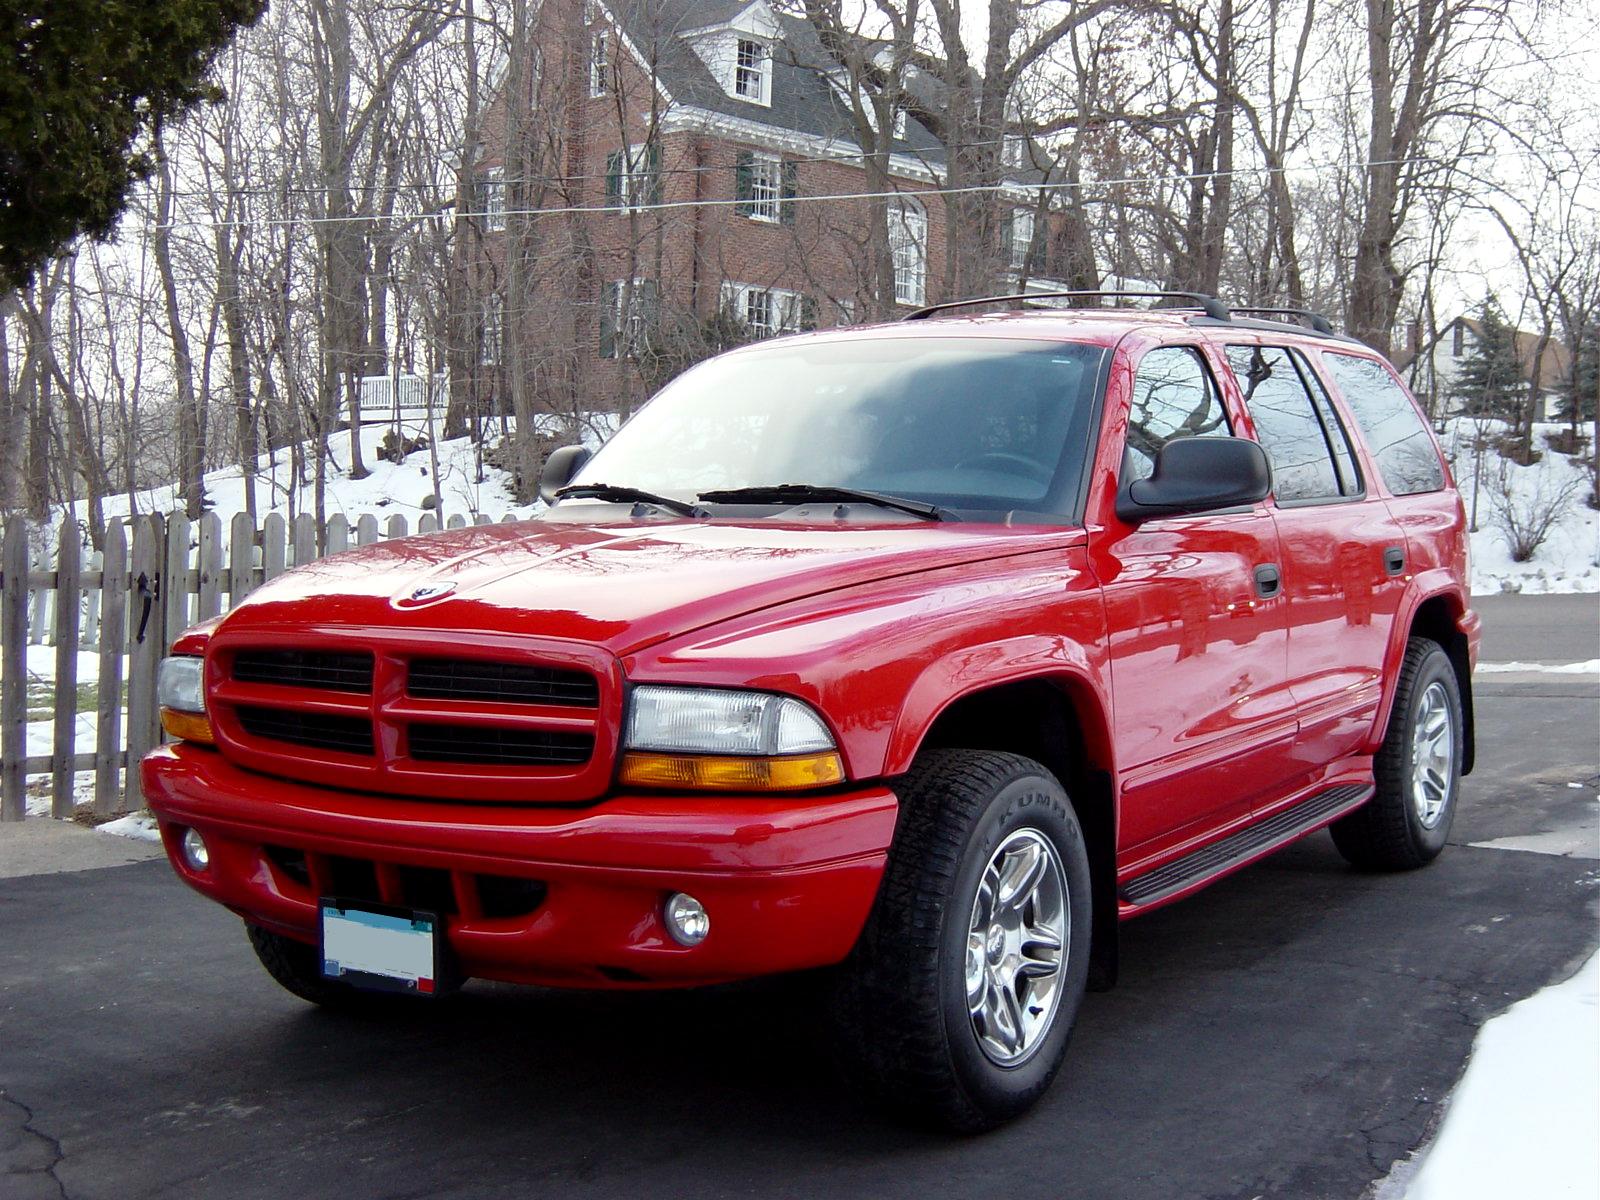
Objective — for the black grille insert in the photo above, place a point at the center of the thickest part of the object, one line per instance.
(326, 670)
(500, 682)
(492, 746)
(348, 735)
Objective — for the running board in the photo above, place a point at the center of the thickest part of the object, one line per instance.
(1248, 843)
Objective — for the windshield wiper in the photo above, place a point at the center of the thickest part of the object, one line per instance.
(622, 495)
(806, 493)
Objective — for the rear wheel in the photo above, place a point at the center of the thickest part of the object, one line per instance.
(1418, 770)
(960, 997)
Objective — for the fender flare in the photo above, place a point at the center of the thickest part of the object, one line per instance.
(1428, 585)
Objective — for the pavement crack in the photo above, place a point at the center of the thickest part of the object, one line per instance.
(52, 1144)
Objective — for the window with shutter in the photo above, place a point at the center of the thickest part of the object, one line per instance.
(791, 189)
(610, 303)
(759, 183)
(599, 64)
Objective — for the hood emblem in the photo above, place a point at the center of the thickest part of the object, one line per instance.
(430, 591)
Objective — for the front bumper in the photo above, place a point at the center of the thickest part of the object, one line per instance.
(787, 882)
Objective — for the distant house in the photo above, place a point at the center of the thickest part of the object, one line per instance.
(708, 167)
(1435, 375)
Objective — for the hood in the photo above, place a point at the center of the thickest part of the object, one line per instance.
(618, 586)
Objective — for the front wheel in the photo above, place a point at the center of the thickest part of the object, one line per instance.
(1418, 770)
(960, 997)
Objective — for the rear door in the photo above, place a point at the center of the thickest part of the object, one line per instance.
(1343, 554)
(1204, 723)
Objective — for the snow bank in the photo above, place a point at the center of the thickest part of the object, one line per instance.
(1522, 1121)
(1590, 667)
(140, 826)
(1569, 560)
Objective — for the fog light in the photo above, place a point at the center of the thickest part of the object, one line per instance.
(687, 919)
(195, 851)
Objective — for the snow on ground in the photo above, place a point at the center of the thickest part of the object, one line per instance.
(467, 485)
(42, 664)
(139, 826)
(1522, 1121)
(1590, 667)
(1569, 560)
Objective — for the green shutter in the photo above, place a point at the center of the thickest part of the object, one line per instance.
(652, 166)
(1008, 237)
(808, 312)
(791, 189)
(615, 165)
(647, 302)
(610, 297)
(743, 168)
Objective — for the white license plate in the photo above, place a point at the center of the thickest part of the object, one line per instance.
(388, 949)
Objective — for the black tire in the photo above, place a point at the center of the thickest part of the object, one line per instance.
(900, 1006)
(1389, 833)
(295, 967)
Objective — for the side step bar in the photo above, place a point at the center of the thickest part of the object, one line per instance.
(1248, 843)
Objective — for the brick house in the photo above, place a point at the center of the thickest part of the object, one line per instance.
(698, 181)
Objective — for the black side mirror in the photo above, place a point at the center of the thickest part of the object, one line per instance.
(1195, 475)
(559, 469)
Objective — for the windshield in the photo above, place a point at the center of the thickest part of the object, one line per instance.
(963, 423)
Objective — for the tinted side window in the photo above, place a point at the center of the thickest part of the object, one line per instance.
(1173, 397)
(1343, 455)
(1400, 442)
(1290, 431)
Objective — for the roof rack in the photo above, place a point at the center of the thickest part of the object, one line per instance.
(1210, 305)
(1318, 322)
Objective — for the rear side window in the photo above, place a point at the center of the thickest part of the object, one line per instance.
(1343, 456)
(1400, 443)
(1174, 396)
(1290, 430)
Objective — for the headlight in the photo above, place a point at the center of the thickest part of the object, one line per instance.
(690, 737)
(180, 691)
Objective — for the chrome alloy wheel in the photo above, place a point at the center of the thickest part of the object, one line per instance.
(1432, 755)
(1017, 941)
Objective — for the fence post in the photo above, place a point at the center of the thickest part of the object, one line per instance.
(427, 523)
(305, 539)
(108, 704)
(13, 669)
(147, 642)
(64, 750)
(397, 526)
(208, 564)
(241, 557)
(337, 536)
(366, 529)
(272, 547)
(172, 568)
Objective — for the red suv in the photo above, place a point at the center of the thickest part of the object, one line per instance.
(925, 652)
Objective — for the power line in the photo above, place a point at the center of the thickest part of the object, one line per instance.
(448, 211)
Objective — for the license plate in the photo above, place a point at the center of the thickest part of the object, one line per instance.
(371, 946)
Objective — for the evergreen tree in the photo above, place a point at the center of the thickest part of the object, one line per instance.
(1582, 387)
(82, 83)
(1489, 379)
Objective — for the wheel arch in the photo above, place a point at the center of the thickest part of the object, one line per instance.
(1437, 617)
(1058, 720)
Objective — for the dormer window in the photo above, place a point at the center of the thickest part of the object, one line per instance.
(898, 128)
(752, 71)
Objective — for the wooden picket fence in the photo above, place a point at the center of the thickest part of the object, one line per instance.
(153, 577)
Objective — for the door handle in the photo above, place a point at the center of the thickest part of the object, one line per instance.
(1394, 559)
(1269, 581)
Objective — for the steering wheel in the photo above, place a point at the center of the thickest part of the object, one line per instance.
(1013, 463)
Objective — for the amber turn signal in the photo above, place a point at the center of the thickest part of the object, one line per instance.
(791, 772)
(187, 726)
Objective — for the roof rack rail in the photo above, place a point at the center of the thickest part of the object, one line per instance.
(1318, 322)
(1210, 305)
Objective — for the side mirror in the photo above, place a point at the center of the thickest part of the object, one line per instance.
(1195, 475)
(559, 469)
